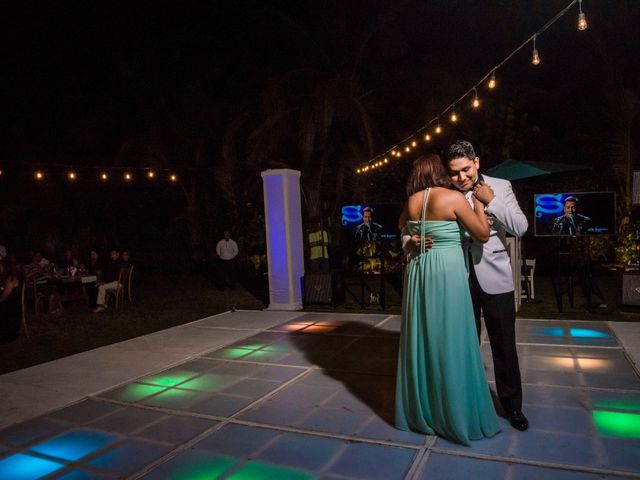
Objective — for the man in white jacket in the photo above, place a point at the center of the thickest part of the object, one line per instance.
(490, 276)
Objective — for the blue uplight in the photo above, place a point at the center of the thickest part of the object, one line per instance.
(588, 333)
(75, 444)
(26, 467)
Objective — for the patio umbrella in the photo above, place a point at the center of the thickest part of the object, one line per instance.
(517, 169)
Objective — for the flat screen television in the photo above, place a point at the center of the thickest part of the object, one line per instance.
(364, 223)
(571, 214)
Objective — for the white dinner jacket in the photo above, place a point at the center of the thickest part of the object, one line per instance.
(491, 259)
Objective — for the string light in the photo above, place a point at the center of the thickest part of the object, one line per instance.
(104, 176)
(407, 149)
(454, 117)
(127, 176)
(492, 82)
(71, 176)
(386, 160)
(173, 177)
(39, 175)
(535, 57)
(582, 20)
(1, 172)
(151, 174)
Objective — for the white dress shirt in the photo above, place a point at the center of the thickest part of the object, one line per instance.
(227, 249)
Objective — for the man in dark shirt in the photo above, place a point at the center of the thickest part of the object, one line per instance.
(109, 281)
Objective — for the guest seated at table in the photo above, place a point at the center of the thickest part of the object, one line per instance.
(9, 302)
(125, 259)
(109, 281)
(95, 264)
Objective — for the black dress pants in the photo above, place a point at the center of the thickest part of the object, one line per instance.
(500, 318)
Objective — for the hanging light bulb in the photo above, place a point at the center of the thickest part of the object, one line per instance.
(492, 82)
(386, 160)
(535, 57)
(394, 153)
(104, 176)
(71, 176)
(454, 117)
(438, 129)
(39, 175)
(476, 100)
(413, 144)
(151, 174)
(582, 20)
(1, 172)
(407, 149)
(427, 137)
(127, 176)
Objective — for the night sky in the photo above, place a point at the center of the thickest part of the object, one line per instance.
(163, 84)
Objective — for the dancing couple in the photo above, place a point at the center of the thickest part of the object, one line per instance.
(454, 226)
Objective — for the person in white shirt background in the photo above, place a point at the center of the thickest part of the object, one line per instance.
(227, 251)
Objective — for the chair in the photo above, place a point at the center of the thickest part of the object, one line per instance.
(23, 307)
(528, 286)
(118, 293)
(32, 294)
(127, 282)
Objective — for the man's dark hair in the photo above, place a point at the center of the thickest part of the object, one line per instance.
(367, 209)
(460, 148)
(570, 199)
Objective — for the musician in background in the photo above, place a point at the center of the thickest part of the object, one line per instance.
(570, 222)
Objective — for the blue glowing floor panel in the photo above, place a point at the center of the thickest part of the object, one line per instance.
(313, 398)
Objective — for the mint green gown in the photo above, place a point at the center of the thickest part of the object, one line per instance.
(441, 387)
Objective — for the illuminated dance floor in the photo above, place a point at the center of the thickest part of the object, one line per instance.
(310, 396)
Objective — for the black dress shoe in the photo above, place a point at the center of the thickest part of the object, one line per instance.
(518, 420)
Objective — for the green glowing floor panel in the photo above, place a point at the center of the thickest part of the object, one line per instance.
(312, 397)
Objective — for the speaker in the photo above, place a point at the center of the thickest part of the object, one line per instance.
(631, 289)
(322, 288)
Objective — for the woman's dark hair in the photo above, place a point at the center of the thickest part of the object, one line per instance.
(427, 171)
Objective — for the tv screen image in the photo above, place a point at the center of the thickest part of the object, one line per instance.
(570, 214)
(366, 223)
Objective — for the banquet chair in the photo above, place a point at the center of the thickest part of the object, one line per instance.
(528, 286)
(118, 293)
(23, 307)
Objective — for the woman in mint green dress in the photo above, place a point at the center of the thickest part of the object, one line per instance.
(441, 387)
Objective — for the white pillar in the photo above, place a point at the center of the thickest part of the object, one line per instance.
(283, 224)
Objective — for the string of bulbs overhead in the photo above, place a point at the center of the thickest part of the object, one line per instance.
(126, 174)
(426, 132)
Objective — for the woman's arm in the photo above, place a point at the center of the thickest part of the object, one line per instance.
(474, 221)
(10, 284)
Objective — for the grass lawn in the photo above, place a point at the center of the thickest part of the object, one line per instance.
(159, 301)
(162, 301)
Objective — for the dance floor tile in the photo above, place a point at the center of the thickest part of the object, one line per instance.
(334, 421)
(252, 387)
(75, 444)
(237, 440)
(78, 474)
(380, 429)
(449, 467)
(373, 462)
(129, 457)
(84, 412)
(175, 399)
(30, 431)
(220, 405)
(133, 392)
(558, 447)
(210, 382)
(202, 365)
(276, 413)
(622, 454)
(303, 451)
(193, 464)
(176, 429)
(27, 467)
(127, 420)
(560, 419)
